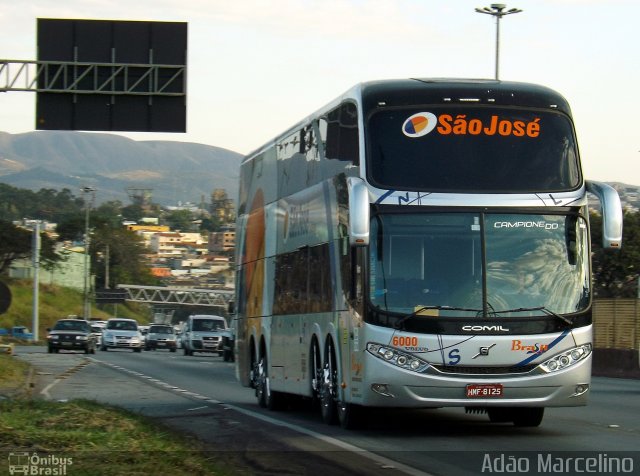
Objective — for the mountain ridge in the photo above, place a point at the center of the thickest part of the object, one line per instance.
(175, 171)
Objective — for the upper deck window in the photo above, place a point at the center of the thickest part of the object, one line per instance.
(471, 149)
(339, 133)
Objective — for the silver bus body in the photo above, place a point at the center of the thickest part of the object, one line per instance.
(365, 279)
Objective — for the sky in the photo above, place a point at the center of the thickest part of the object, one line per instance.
(256, 67)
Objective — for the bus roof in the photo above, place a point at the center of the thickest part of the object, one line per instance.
(430, 91)
(446, 91)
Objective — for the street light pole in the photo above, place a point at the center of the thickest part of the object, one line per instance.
(497, 10)
(87, 263)
(35, 325)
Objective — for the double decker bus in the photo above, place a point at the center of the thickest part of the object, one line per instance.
(420, 243)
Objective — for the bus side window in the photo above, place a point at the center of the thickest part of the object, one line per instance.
(356, 274)
(339, 133)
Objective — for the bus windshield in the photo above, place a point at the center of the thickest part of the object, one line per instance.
(471, 149)
(436, 260)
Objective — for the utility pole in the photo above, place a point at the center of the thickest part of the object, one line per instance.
(87, 261)
(497, 10)
(36, 281)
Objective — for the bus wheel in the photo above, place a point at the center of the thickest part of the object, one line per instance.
(266, 397)
(316, 372)
(262, 381)
(528, 416)
(329, 386)
(500, 415)
(349, 415)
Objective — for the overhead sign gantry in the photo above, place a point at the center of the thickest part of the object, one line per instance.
(103, 75)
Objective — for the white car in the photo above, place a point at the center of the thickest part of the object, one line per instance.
(121, 333)
(96, 330)
(203, 333)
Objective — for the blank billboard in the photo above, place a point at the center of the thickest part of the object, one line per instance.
(102, 75)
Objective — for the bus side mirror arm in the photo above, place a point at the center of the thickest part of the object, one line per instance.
(611, 213)
(359, 213)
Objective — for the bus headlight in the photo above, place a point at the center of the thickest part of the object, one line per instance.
(566, 358)
(396, 357)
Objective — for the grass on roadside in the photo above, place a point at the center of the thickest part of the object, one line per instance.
(98, 439)
(13, 374)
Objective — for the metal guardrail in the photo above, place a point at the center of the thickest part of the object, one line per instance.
(166, 295)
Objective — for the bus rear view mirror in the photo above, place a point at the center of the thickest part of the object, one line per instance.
(611, 213)
(358, 212)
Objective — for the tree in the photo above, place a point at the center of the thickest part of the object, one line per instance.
(46, 204)
(109, 213)
(210, 224)
(180, 220)
(17, 243)
(126, 257)
(133, 212)
(615, 272)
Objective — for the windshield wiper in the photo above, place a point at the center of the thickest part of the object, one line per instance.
(548, 312)
(406, 317)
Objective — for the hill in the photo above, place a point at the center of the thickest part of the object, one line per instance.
(175, 171)
(57, 302)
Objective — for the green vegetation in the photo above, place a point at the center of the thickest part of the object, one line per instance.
(125, 250)
(16, 243)
(57, 302)
(13, 375)
(616, 273)
(92, 438)
(99, 439)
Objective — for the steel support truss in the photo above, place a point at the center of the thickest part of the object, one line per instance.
(165, 295)
(93, 78)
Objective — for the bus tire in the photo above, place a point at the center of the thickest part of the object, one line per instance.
(528, 417)
(329, 386)
(349, 415)
(267, 398)
(500, 415)
(316, 373)
(262, 382)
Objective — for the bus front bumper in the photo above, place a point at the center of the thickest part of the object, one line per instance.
(389, 386)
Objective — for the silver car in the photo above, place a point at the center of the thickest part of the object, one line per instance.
(203, 333)
(121, 333)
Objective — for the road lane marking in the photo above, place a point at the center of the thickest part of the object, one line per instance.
(45, 391)
(381, 461)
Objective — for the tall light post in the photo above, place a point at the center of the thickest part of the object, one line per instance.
(87, 263)
(36, 281)
(497, 10)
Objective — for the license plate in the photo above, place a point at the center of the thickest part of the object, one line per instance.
(490, 390)
(161, 344)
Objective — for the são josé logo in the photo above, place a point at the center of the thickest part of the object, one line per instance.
(419, 124)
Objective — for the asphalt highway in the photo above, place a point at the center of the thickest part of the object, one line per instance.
(200, 395)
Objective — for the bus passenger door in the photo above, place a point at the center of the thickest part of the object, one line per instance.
(350, 327)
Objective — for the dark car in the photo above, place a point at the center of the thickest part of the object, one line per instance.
(71, 334)
(161, 336)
